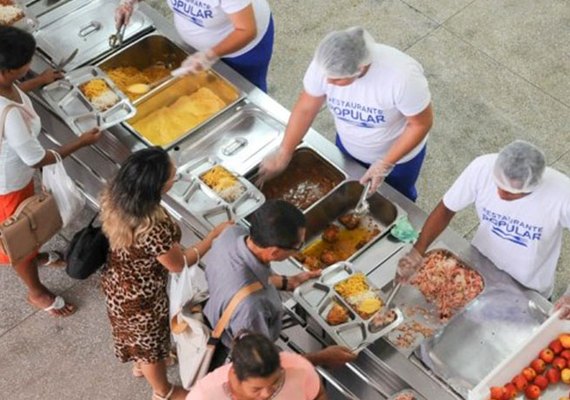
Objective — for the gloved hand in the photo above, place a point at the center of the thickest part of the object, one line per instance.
(376, 174)
(409, 265)
(196, 62)
(124, 12)
(564, 304)
(272, 165)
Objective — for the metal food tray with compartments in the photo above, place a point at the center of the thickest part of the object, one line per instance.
(192, 193)
(317, 297)
(77, 110)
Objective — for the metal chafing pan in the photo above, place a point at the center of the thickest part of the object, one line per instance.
(306, 169)
(343, 199)
(317, 296)
(77, 111)
(174, 90)
(417, 310)
(207, 205)
(149, 51)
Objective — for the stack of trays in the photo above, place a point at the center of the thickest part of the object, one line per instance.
(71, 101)
(213, 194)
(354, 328)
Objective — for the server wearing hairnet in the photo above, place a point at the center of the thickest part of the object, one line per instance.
(523, 207)
(380, 102)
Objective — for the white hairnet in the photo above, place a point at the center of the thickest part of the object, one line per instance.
(342, 53)
(519, 167)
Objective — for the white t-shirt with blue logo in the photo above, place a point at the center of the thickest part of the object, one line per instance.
(370, 113)
(522, 237)
(205, 23)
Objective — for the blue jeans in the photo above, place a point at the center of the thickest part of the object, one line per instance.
(254, 64)
(403, 177)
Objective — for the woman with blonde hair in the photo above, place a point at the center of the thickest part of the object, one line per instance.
(144, 248)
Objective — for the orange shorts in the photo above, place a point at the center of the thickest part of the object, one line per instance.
(9, 203)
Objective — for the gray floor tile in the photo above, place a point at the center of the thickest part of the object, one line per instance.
(13, 300)
(529, 37)
(298, 32)
(68, 358)
(439, 10)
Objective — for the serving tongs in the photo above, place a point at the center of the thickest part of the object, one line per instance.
(116, 39)
(66, 60)
(377, 323)
(362, 206)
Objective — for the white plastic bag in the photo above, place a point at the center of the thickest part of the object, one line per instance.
(70, 201)
(189, 287)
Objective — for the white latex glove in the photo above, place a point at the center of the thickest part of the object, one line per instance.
(409, 265)
(564, 304)
(196, 62)
(124, 12)
(272, 165)
(376, 174)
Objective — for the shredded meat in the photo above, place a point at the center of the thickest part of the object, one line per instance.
(408, 333)
(447, 283)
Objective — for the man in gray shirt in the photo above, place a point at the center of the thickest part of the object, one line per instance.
(237, 259)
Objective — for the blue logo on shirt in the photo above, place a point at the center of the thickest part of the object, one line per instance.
(194, 10)
(356, 114)
(512, 229)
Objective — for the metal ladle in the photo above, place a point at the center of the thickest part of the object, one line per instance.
(362, 206)
(144, 88)
(116, 39)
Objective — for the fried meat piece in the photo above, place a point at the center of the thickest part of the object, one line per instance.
(329, 257)
(337, 315)
(350, 221)
(330, 234)
(312, 263)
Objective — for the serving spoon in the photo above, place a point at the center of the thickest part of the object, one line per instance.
(144, 88)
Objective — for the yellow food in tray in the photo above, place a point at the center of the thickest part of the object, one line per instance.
(99, 94)
(356, 291)
(223, 182)
(168, 123)
(124, 77)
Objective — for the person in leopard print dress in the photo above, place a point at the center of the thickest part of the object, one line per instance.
(144, 248)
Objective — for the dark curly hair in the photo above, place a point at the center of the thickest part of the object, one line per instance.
(16, 48)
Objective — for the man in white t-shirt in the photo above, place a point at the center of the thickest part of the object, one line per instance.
(381, 104)
(523, 207)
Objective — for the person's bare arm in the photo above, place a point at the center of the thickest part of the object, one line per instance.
(436, 223)
(322, 395)
(417, 128)
(245, 30)
(302, 116)
(85, 139)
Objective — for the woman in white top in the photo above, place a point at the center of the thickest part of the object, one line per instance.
(21, 153)
(240, 32)
(381, 105)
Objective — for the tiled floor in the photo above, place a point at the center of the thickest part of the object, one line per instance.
(498, 70)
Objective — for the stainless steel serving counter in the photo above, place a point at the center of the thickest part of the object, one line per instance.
(380, 370)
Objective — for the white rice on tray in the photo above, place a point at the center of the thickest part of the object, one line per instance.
(105, 100)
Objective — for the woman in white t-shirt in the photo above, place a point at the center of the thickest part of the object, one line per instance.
(381, 105)
(259, 371)
(240, 32)
(21, 153)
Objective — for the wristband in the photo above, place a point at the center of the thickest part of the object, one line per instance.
(285, 282)
(197, 254)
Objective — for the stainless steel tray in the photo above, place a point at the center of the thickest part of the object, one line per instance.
(151, 50)
(419, 312)
(28, 21)
(340, 201)
(317, 296)
(76, 110)
(173, 91)
(237, 139)
(204, 203)
(86, 28)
